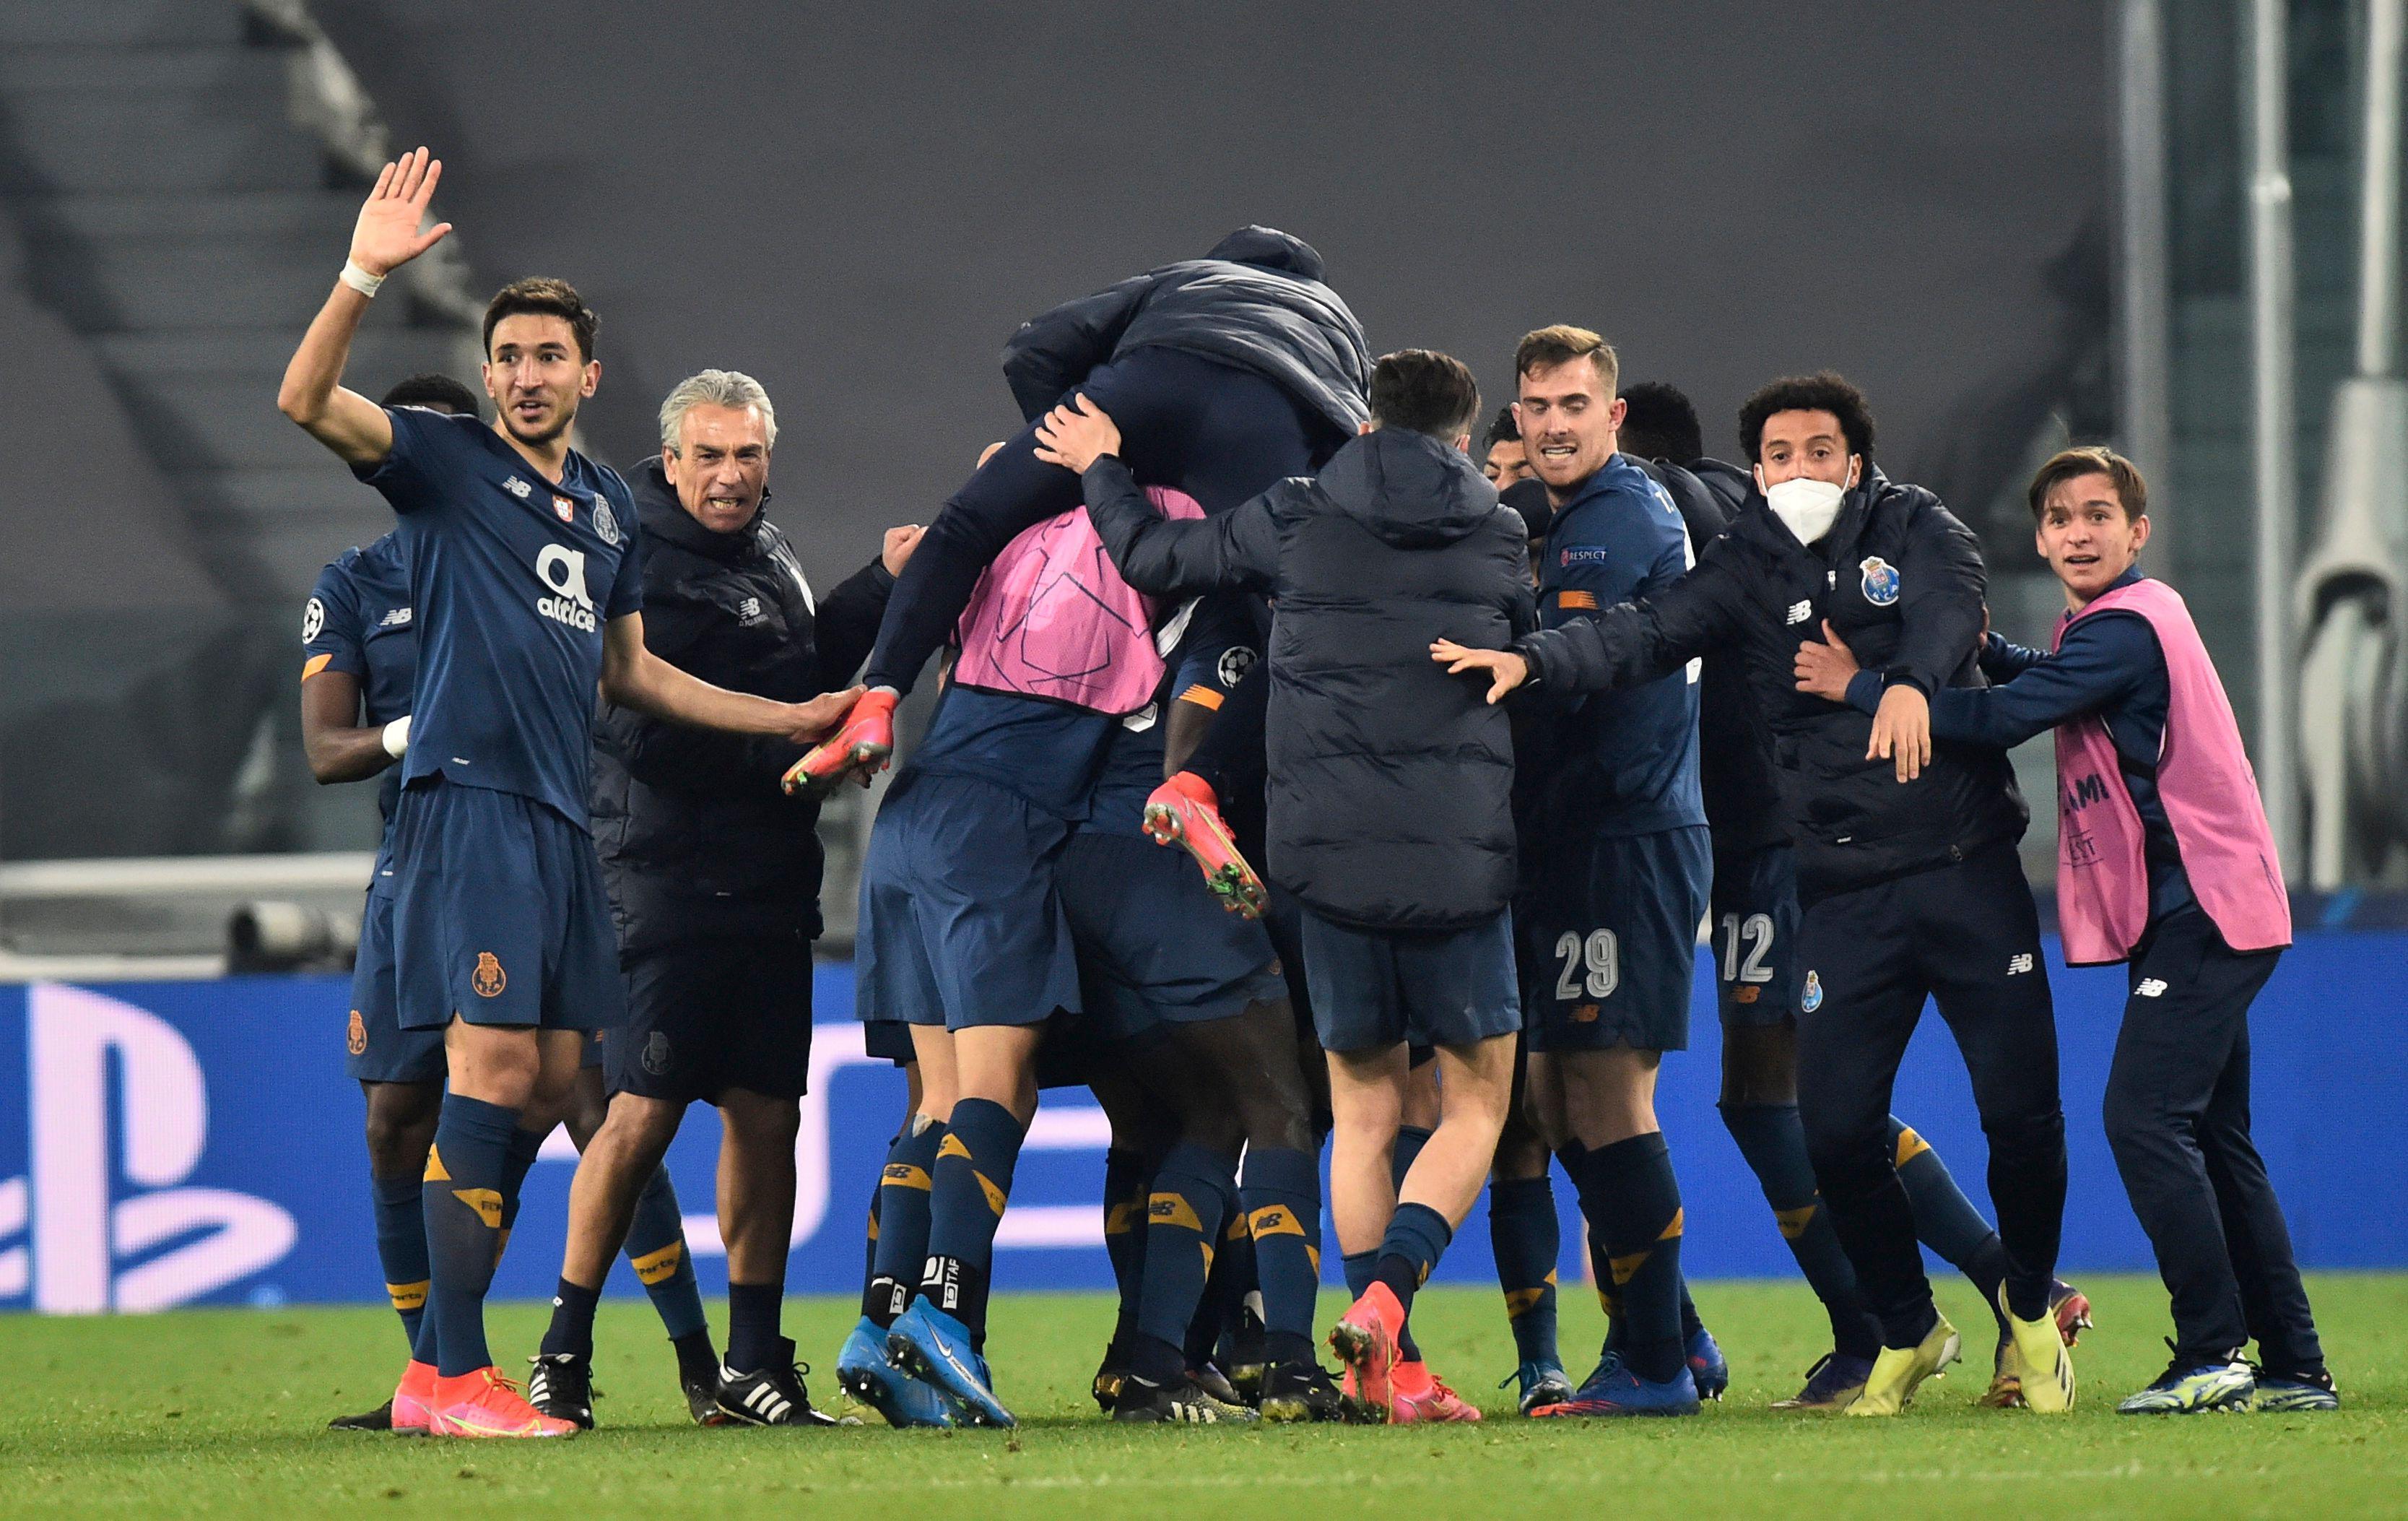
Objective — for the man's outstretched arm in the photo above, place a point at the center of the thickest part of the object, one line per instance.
(1239, 548)
(1626, 644)
(633, 677)
(385, 237)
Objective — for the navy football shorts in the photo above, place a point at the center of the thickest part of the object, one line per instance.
(376, 1048)
(710, 1015)
(1373, 987)
(1154, 943)
(1614, 936)
(888, 1040)
(1755, 930)
(499, 914)
(960, 923)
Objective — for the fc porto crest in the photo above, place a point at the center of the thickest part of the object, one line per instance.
(488, 979)
(1881, 580)
(1811, 999)
(606, 523)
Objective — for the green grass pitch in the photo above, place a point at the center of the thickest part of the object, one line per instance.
(223, 1412)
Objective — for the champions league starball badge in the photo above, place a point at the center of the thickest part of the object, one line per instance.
(1881, 580)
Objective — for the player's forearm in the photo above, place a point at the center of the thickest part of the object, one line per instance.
(651, 685)
(346, 755)
(312, 395)
(317, 366)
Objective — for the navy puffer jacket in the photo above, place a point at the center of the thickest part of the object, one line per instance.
(1257, 301)
(1390, 793)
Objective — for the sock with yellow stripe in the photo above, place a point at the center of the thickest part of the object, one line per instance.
(1633, 1202)
(1184, 1214)
(1281, 1195)
(1773, 1141)
(1417, 1237)
(1526, 1237)
(1125, 1180)
(1944, 1219)
(972, 1183)
(401, 1248)
(902, 1246)
(656, 1250)
(463, 1199)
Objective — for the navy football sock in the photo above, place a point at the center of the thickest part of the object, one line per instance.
(1944, 1219)
(1183, 1219)
(516, 1164)
(1411, 1139)
(1526, 1235)
(1282, 1196)
(1632, 1196)
(467, 1170)
(1231, 1279)
(972, 1183)
(572, 1320)
(1127, 1184)
(903, 1192)
(1774, 1143)
(656, 1250)
(1416, 1239)
(401, 1248)
(1359, 1267)
(752, 1333)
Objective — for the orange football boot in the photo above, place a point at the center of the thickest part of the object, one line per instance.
(863, 743)
(1365, 1338)
(413, 1402)
(1184, 811)
(1421, 1395)
(486, 1404)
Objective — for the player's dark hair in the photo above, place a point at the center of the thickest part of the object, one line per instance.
(439, 392)
(1561, 344)
(1660, 423)
(543, 297)
(1503, 431)
(1825, 391)
(2073, 463)
(1425, 391)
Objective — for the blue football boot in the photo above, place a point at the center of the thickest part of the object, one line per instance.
(2280, 1392)
(1831, 1385)
(1708, 1369)
(863, 1370)
(934, 1347)
(1614, 1389)
(1544, 1383)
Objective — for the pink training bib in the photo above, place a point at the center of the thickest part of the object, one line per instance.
(2206, 785)
(1052, 618)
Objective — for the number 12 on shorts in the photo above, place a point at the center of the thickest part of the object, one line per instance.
(1592, 966)
(1756, 930)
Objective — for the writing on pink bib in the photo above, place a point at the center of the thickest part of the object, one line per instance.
(1052, 618)
(2206, 787)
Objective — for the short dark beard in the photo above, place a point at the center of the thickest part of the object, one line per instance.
(568, 421)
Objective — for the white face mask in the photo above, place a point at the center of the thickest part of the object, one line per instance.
(1806, 507)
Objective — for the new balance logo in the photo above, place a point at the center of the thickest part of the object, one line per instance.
(2152, 987)
(2019, 963)
(749, 610)
(1800, 612)
(398, 618)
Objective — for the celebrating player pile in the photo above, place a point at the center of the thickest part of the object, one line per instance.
(1754, 697)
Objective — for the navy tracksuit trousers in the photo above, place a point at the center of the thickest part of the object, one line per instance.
(2177, 1115)
(1965, 935)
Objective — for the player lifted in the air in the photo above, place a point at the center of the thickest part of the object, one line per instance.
(526, 580)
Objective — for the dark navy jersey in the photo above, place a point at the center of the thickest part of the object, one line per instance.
(1213, 642)
(511, 580)
(1624, 763)
(358, 622)
(2109, 665)
(1042, 750)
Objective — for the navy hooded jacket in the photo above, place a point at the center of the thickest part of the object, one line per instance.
(1257, 301)
(1390, 781)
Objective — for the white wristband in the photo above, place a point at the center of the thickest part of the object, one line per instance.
(367, 285)
(396, 736)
